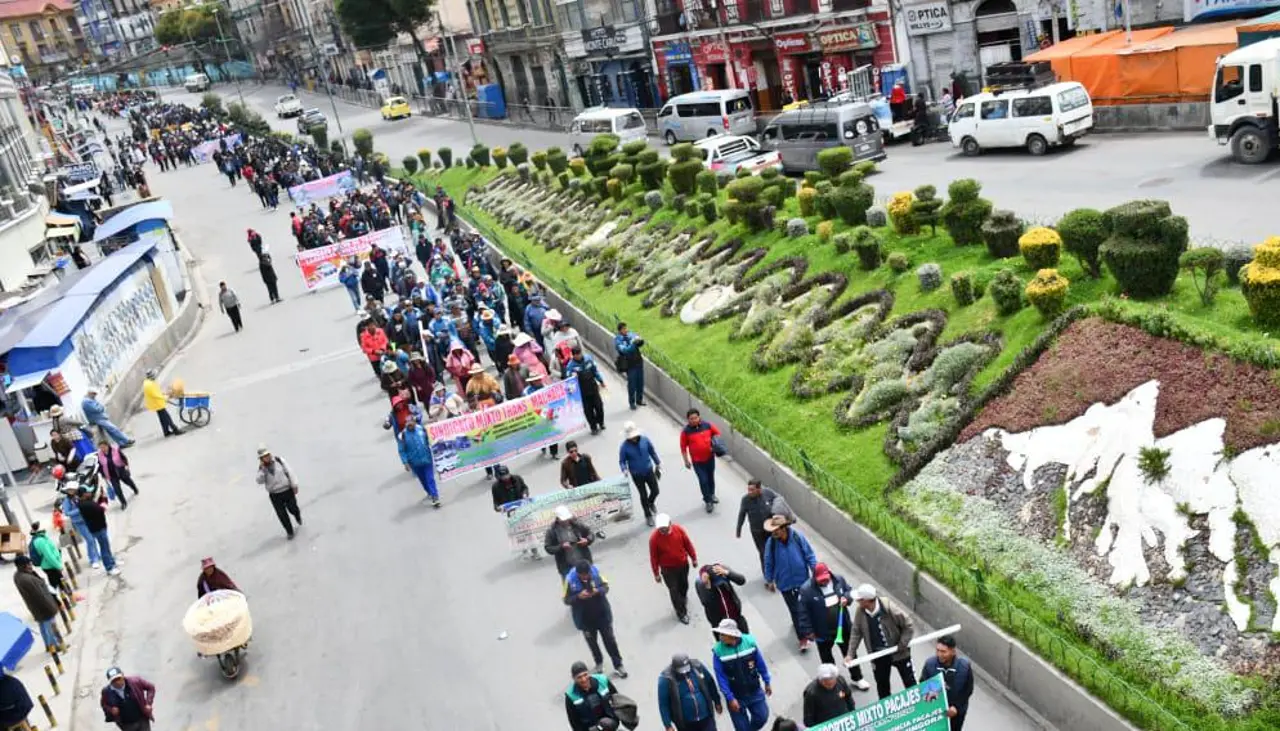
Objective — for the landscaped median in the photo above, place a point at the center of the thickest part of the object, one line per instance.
(857, 344)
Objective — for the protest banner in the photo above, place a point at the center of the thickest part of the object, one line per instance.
(317, 190)
(203, 152)
(595, 504)
(920, 708)
(485, 438)
(319, 266)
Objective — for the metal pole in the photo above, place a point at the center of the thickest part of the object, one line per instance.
(724, 43)
(217, 13)
(315, 53)
(1128, 24)
(457, 71)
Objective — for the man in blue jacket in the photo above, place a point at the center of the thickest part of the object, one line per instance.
(533, 315)
(638, 458)
(823, 612)
(788, 563)
(627, 346)
(957, 676)
(586, 592)
(688, 698)
(415, 454)
(96, 415)
(740, 670)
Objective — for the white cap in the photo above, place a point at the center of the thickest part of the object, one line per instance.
(630, 430)
(563, 513)
(865, 591)
(827, 671)
(663, 520)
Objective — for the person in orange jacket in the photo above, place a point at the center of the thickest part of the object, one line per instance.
(373, 341)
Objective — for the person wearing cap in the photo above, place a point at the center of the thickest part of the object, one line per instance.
(719, 599)
(957, 676)
(38, 599)
(823, 612)
(577, 469)
(507, 488)
(95, 518)
(588, 701)
(95, 412)
(374, 343)
(229, 303)
(153, 399)
(688, 697)
(282, 488)
(415, 455)
(70, 504)
(740, 670)
(671, 553)
(586, 594)
(638, 458)
(626, 345)
(127, 701)
(213, 578)
(698, 448)
(590, 382)
(883, 624)
(568, 540)
(46, 555)
(827, 697)
(533, 315)
(788, 562)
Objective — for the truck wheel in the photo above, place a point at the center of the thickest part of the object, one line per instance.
(970, 147)
(1037, 145)
(670, 137)
(1249, 146)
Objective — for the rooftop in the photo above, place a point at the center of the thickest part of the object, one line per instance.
(28, 8)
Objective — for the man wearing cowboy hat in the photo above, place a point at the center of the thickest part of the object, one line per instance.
(788, 563)
(96, 414)
(153, 399)
(740, 671)
(282, 488)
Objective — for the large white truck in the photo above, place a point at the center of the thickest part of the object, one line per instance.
(1243, 111)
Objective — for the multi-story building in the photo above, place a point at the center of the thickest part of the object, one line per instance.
(522, 48)
(135, 24)
(607, 43)
(22, 210)
(96, 20)
(45, 35)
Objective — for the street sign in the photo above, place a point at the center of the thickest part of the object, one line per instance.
(603, 39)
(79, 172)
(928, 18)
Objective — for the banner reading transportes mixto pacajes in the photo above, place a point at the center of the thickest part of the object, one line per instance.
(316, 190)
(319, 267)
(921, 708)
(596, 505)
(203, 152)
(485, 438)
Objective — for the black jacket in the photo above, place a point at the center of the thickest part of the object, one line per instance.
(570, 532)
(822, 705)
(721, 601)
(585, 710)
(94, 516)
(267, 270)
(509, 491)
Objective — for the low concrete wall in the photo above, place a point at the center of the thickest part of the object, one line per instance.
(1007, 662)
(1152, 117)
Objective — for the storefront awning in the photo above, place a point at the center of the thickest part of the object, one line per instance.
(26, 381)
(87, 185)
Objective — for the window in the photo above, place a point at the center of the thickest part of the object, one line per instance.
(502, 13)
(524, 12)
(1033, 106)
(964, 111)
(15, 30)
(570, 16)
(631, 11)
(36, 30)
(995, 109)
(770, 134)
(1255, 77)
(732, 148)
(666, 111)
(1072, 99)
(704, 109)
(633, 121)
(741, 104)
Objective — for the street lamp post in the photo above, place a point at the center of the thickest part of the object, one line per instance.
(449, 41)
(327, 89)
(226, 52)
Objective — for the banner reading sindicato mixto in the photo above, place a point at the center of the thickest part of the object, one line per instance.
(316, 190)
(920, 708)
(319, 267)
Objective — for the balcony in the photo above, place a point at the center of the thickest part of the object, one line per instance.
(523, 39)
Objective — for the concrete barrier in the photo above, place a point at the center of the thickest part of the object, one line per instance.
(1183, 116)
(1015, 669)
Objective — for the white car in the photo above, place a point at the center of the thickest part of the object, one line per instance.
(288, 106)
(737, 152)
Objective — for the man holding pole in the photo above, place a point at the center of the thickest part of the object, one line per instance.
(885, 626)
(823, 611)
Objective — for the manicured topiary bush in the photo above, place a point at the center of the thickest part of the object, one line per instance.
(867, 245)
(653, 199)
(900, 214)
(339, 153)
(480, 153)
(651, 169)
(622, 173)
(707, 205)
(866, 167)
(683, 173)
(471, 163)
(1047, 292)
(924, 209)
(363, 141)
(562, 177)
(499, 155)
(963, 288)
(825, 230)
(965, 212)
(517, 153)
(615, 188)
(410, 164)
(424, 157)
(723, 178)
(600, 185)
(677, 203)
(877, 217)
(850, 202)
(930, 276)
(556, 159)
(797, 227)
(632, 150)
(1006, 291)
(1083, 231)
(849, 179)
(843, 241)
(1041, 247)
(835, 160)
(523, 171)
(1001, 232)
(812, 178)
(1234, 259)
(1142, 249)
(446, 156)
(807, 198)
(1260, 282)
(578, 166)
(742, 173)
(539, 160)
(732, 210)
(898, 262)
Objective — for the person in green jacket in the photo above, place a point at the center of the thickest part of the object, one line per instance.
(46, 554)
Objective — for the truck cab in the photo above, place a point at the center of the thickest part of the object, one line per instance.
(1242, 110)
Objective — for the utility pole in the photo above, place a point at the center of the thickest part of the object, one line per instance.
(226, 52)
(456, 69)
(315, 52)
(716, 5)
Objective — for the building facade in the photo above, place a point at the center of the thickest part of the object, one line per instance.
(520, 48)
(22, 211)
(135, 25)
(608, 48)
(45, 36)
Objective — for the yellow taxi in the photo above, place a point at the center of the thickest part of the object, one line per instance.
(396, 107)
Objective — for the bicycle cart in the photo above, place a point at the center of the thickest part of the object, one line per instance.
(193, 407)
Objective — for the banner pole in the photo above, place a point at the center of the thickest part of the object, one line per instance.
(892, 650)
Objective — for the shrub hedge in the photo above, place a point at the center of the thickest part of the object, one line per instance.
(1143, 247)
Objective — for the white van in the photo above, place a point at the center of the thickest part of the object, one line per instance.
(627, 124)
(705, 113)
(196, 82)
(1057, 114)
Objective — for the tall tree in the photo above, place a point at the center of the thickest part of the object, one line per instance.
(375, 23)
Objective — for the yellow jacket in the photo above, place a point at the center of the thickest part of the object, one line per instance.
(153, 396)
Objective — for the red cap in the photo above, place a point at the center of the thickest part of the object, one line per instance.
(822, 573)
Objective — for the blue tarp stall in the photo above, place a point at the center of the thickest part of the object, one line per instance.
(15, 641)
(148, 221)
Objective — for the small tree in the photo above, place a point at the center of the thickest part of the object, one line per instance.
(965, 212)
(445, 153)
(337, 151)
(499, 157)
(320, 137)
(924, 209)
(556, 160)
(623, 173)
(213, 103)
(1204, 264)
(1083, 231)
(410, 164)
(835, 160)
(1048, 292)
(480, 153)
(363, 141)
(1001, 233)
(518, 153)
(424, 157)
(683, 173)
(1143, 247)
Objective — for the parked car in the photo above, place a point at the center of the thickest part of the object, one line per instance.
(705, 113)
(738, 152)
(396, 107)
(627, 124)
(1037, 119)
(196, 82)
(800, 134)
(311, 119)
(288, 106)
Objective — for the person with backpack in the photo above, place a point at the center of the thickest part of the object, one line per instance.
(699, 446)
(740, 671)
(688, 698)
(588, 701)
(626, 345)
(282, 488)
(827, 697)
(823, 612)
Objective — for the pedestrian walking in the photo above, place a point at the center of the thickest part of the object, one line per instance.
(128, 701)
(882, 624)
(115, 466)
(756, 507)
(590, 383)
(823, 612)
(627, 345)
(827, 696)
(586, 594)
(699, 446)
(95, 518)
(41, 603)
(688, 697)
(588, 701)
(957, 676)
(268, 272)
(671, 553)
(95, 413)
(45, 554)
(229, 303)
(374, 344)
(282, 488)
(153, 399)
(507, 488)
(788, 563)
(638, 458)
(577, 469)
(349, 277)
(70, 505)
(568, 539)
(743, 677)
(415, 454)
(719, 599)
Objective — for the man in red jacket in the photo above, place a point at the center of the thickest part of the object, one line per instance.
(671, 553)
(127, 701)
(697, 446)
(373, 341)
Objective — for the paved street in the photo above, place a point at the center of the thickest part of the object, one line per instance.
(383, 609)
(1222, 200)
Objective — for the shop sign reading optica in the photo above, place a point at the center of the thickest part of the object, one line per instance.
(849, 38)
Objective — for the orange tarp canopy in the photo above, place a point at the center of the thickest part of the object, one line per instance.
(1059, 54)
(1190, 53)
(1098, 67)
